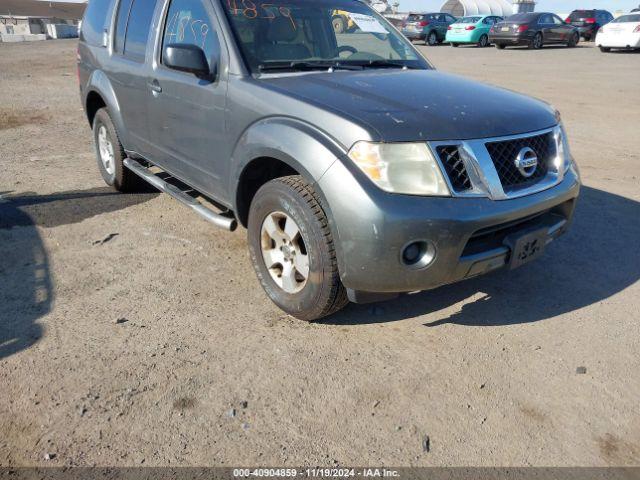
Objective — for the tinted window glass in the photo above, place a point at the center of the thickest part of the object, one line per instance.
(121, 24)
(188, 22)
(522, 17)
(557, 20)
(628, 18)
(581, 14)
(95, 21)
(138, 27)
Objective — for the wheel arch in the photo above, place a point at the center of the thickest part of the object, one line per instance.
(99, 93)
(276, 147)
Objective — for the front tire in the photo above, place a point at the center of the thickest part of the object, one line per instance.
(500, 46)
(605, 49)
(573, 41)
(110, 155)
(292, 249)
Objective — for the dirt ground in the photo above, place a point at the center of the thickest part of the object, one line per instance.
(132, 332)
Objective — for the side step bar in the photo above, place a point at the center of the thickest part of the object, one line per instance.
(219, 220)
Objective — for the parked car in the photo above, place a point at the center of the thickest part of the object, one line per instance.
(533, 29)
(589, 21)
(428, 27)
(322, 145)
(473, 29)
(623, 32)
(635, 10)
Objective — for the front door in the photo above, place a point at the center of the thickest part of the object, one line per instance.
(187, 113)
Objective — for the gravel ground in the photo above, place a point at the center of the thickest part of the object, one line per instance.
(132, 332)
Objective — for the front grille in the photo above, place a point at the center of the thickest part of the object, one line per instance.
(454, 166)
(505, 152)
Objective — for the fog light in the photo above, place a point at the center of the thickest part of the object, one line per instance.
(418, 254)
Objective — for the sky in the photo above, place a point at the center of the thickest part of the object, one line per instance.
(557, 6)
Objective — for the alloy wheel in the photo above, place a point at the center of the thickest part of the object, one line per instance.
(284, 252)
(105, 149)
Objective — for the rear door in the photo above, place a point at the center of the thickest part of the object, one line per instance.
(546, 26)
(187, 113)
(128, 69)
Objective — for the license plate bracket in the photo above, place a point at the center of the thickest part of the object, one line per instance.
(526, 246)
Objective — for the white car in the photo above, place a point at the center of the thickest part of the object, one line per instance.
(623, 32)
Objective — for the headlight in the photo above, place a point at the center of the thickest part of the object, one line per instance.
(564, 153)
(407, 168)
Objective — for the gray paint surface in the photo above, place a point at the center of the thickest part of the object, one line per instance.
(206, 133)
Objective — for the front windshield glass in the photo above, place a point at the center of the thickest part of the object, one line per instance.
(469, 20)
(290, 35)
(627, 19)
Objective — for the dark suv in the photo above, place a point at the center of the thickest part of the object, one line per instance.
(429, 27)
(359, 171)
(589, 21)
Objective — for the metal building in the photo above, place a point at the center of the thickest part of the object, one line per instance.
(524, 6)
(460, 8)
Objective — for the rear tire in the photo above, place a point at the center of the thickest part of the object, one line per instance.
(302, 278)
(483, 42)
(537, 43)
(432, 39)
(110, 155)
(500, 46)
(454, 45)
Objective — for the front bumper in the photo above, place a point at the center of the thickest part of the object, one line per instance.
(371, 228)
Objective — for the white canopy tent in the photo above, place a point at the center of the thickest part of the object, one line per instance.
(461, 8)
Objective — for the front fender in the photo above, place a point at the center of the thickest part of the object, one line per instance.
(300, 145)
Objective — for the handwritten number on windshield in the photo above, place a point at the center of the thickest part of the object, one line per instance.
(250, 10)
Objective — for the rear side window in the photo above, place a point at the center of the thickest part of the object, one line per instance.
(94, 22)
(121, 24)
(140, 17)
(133, 23)
(189, 23)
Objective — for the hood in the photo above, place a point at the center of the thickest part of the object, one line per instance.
(414, 105)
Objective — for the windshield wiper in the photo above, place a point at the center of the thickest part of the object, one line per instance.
(386, 64)
(306, 66)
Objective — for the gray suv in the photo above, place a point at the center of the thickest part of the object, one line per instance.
(359, 171)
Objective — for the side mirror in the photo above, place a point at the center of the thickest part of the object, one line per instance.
(188, 58)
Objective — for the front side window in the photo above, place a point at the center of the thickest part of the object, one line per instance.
(299, 35)
(557, 20)
(189, 23)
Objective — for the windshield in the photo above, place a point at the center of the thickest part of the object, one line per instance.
(468, 20)
(627, 19)
(317, 34)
